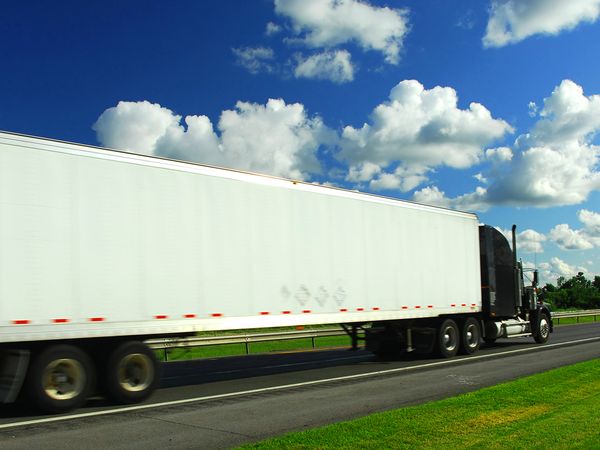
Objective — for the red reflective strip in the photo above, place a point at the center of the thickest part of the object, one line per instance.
(189, 316)
(430, 306)
(360, 309)
(21, 322)
(375, 309)
(343, 310)
(306, 311)
(217, 315)
(264, 313)
(161, 316)
(286, 312)
(453, 305)
(60, 320)
(96, 319)
(405, 307)
(473, 304)
(417, 307)
(463, 304)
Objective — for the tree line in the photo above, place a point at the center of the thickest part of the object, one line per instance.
(575, 293)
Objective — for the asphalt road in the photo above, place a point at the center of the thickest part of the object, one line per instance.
(227, 402)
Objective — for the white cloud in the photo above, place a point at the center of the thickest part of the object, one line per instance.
(556, 268)
(255, 59)
(528, 241)
(328, 23)
(512, 21)
(334, 66)
(583, 239)
(569, 239)
(272, 28)
(420, 129)
(432, 195)
(556, 163)
(276, 138)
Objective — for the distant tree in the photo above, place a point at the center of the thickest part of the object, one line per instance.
(575, 293)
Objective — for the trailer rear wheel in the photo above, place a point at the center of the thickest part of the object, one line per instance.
(132, 373)
(542, 329)
(448, 338)
(59, 379)
(470, 336)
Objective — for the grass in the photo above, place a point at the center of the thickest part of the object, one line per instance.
(559, 409)
(559, 321)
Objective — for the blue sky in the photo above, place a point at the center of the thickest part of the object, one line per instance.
(491, 106)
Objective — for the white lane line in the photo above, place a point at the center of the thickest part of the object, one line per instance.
(446, 362)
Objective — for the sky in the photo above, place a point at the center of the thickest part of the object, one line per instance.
(489, 106)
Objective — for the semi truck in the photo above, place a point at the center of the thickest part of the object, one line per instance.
(101, 250)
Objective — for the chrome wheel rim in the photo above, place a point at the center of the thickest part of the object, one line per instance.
(471, 337)
(64, 379)
(136, 372)
(544, 328)
(450, 338)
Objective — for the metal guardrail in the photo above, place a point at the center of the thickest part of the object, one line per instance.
(575, 314)
(248, 338)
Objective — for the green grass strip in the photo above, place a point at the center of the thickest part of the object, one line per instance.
(559, 409)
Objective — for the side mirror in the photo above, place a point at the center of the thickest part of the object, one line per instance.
(535, 278)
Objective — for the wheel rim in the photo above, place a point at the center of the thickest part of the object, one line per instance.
(450, 338)
(471, 336)
(136, 372)
(544, 327)
(64, 379)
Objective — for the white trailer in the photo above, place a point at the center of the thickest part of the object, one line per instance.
(101, 249)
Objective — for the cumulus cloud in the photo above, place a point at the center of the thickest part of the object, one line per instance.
(272, 28)
(556, 162)
(335, 66)
(556, 268)
(432, 195)
(276, 138)
(512, 21)
(419, 129)
(583, 239)
(255, 59)
(528, 241)
(328, 23)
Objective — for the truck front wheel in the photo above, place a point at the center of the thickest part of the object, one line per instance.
(60, 378)
(132, 373)
(448, 338)
(542, 329)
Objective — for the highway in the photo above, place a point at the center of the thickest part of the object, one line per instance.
(226, 402)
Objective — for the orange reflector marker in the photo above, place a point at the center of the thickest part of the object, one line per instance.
(96, 319)
(306, 311)
(216, 315)
(161, 316)
(264, 313)
(189, 316)
(463, 304)
(21, 322)
(286, 312)
(343, 310)
(60, 320)
(473, 304)
(405, 307)
(376, 309)
(453, 305)
(417, 307)
(360, 309)
(430, 306)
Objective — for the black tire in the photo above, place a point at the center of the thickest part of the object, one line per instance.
(60, 378)
(542, 329)
(448, 339)
(470, 338)
(489, 341)
(131, 374)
